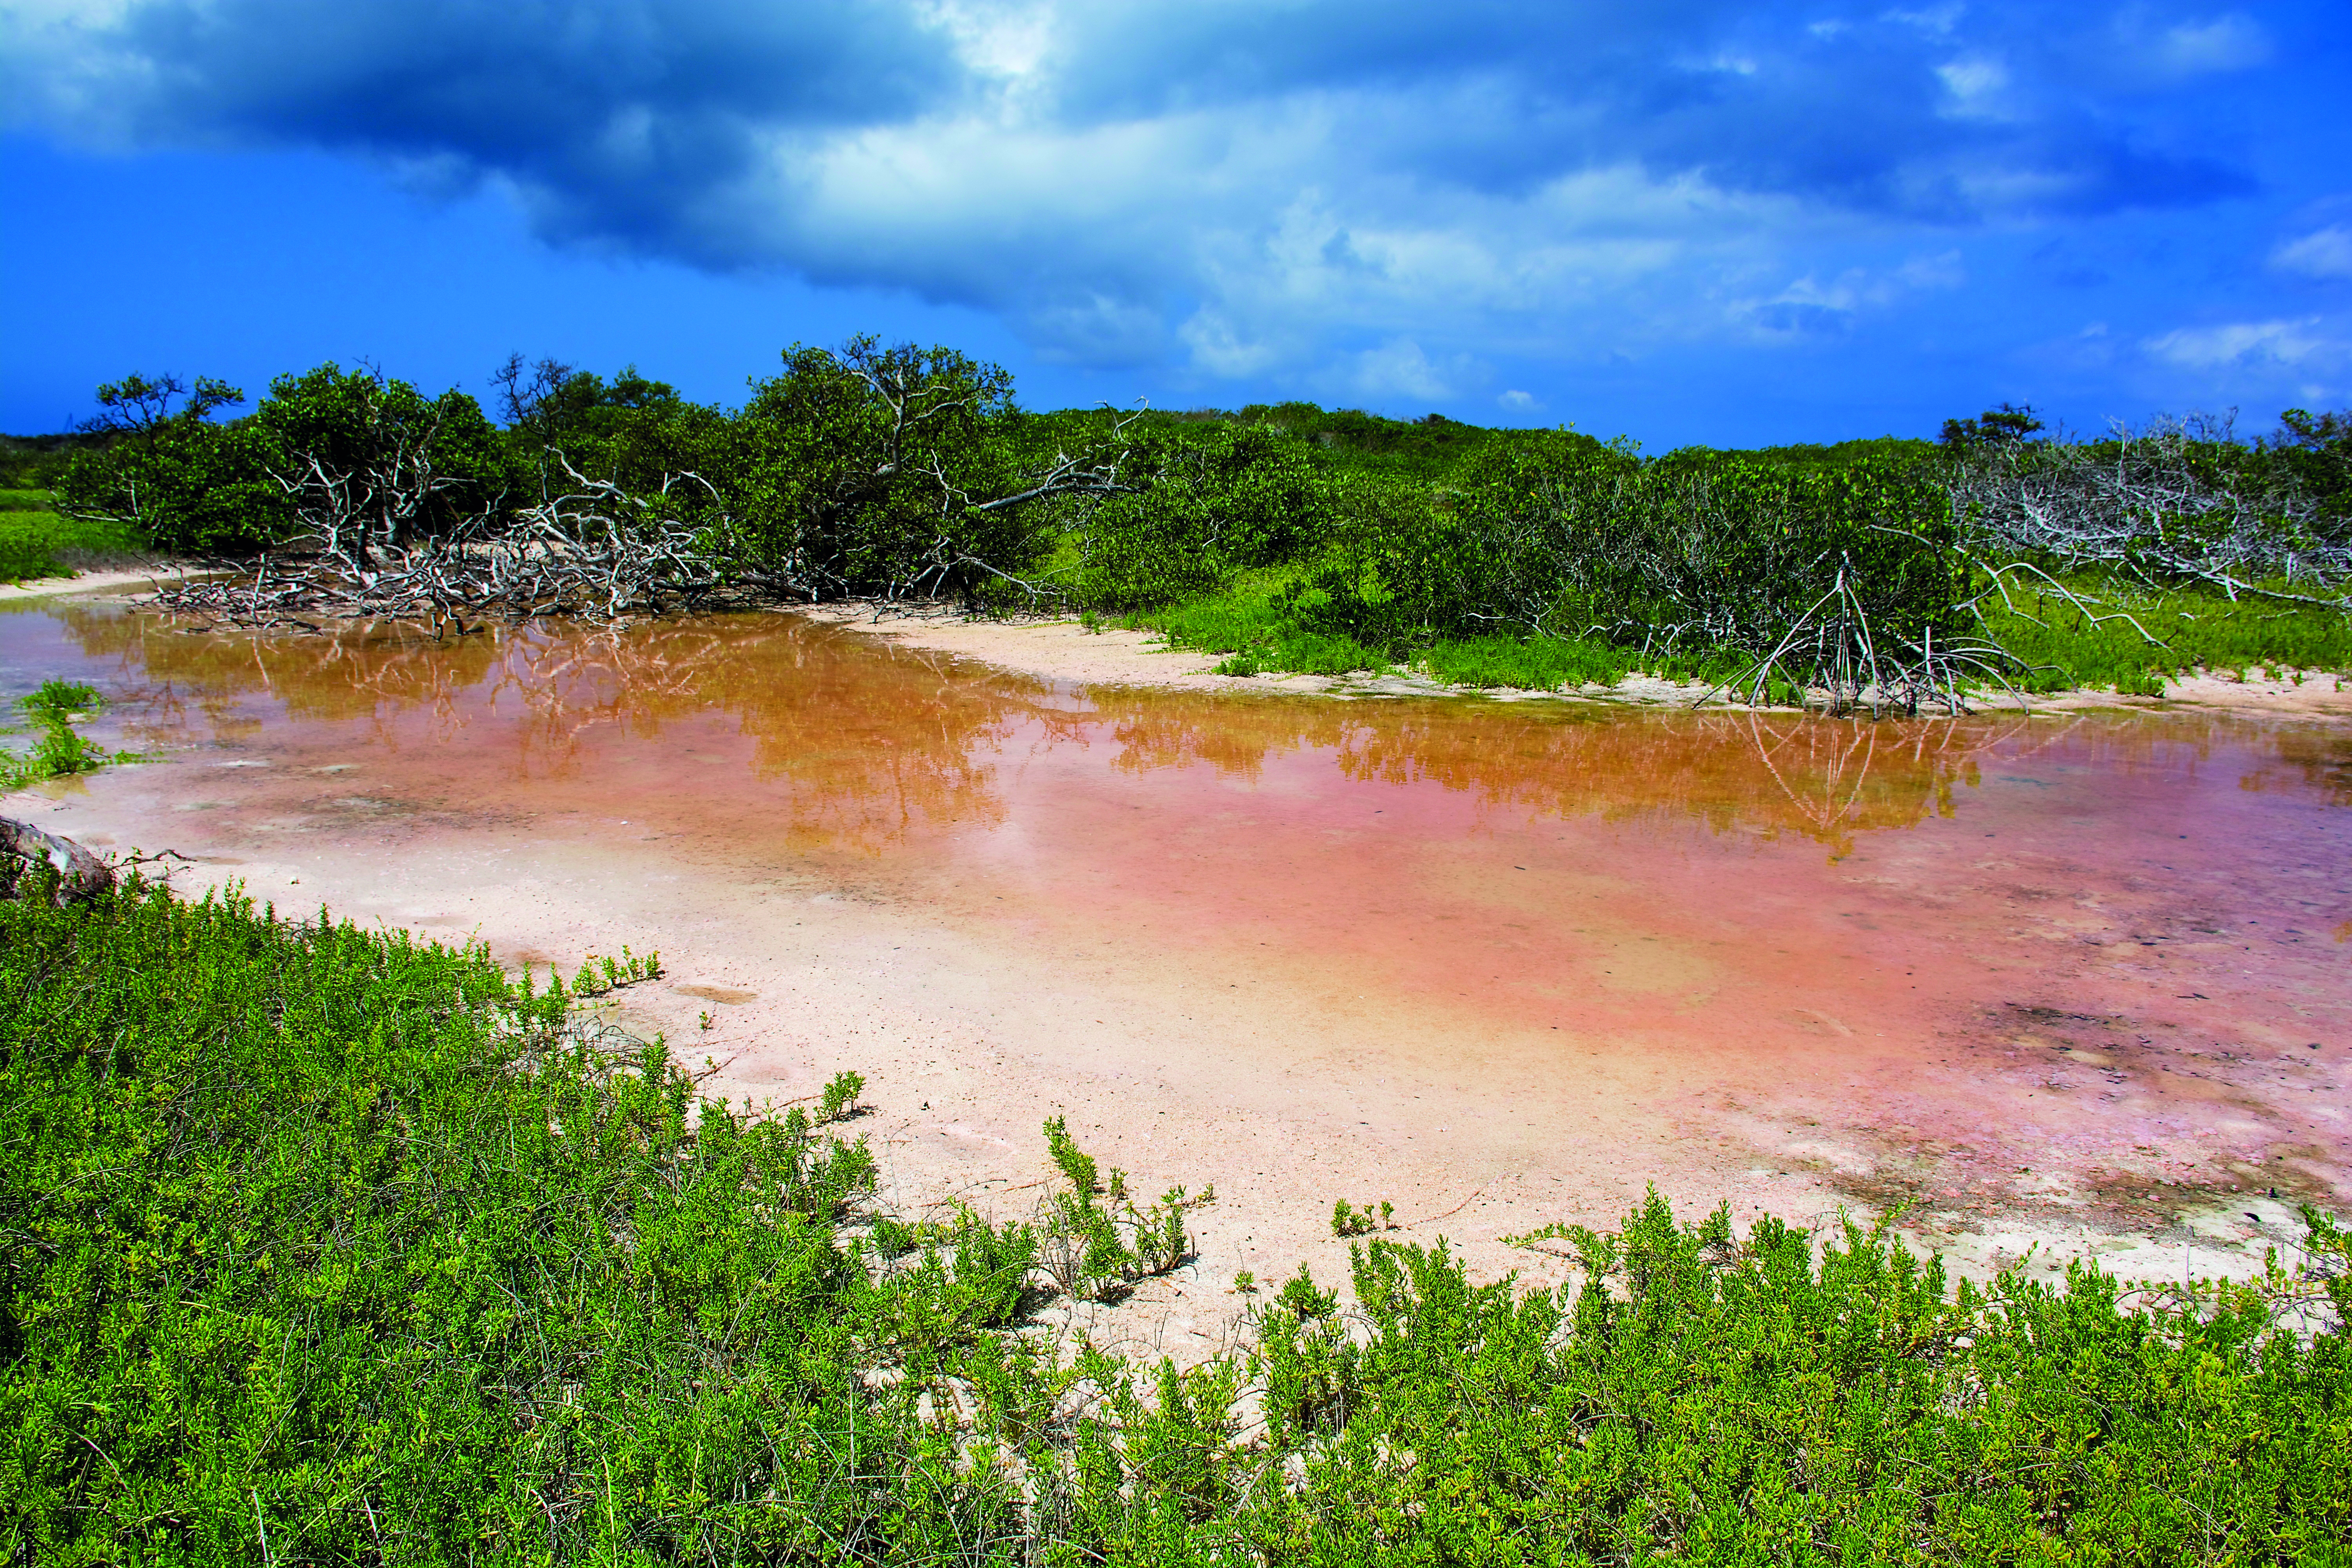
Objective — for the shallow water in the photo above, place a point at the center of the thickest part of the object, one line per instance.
(1944, 958)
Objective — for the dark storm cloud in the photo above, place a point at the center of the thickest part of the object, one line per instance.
(604, 98)
(620, 113)
(1096, 172)
(1868, 111)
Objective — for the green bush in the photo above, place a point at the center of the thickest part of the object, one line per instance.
(323, 1245)
(36, 541)
(1284, 537)
(1707, 1398)
(330, 1238)
(159, 465)
(28, 543)
(1535, 664)
(1212, 503)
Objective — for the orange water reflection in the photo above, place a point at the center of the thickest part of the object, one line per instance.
(871, 745)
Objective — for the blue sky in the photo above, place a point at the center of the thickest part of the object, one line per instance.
(1684, 221)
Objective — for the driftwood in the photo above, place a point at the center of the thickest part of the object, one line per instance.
(86, 876)
(597, 552)
(377, 534)
(2160, 508)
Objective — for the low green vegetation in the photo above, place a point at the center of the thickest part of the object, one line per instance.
(36, 540)
(30, 533)
(60, 750)
(2087, 640)
(323, 1245)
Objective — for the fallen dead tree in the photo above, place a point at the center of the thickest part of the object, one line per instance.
(595, 550)
(82, 874)
(2179, 503)
(863, 473)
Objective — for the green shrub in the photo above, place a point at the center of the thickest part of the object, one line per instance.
(160, 466)
(1709, 1398)
(36, 541)
(329, 1237)
(1537, 664)
(839, 1097)
(27, 546)
(346, 1244)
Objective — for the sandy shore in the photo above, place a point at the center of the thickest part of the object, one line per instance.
(130, 580)
(1062, 648)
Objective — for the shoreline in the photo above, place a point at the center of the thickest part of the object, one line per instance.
(968, 1039)
(1061, 648)
(111, 580)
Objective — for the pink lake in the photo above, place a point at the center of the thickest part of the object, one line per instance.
(1981, 964)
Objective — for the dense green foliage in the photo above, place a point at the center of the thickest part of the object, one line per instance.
(28, 536)
(1540, 561)
(874, 470)
(36, 462)
(1744, 1402)
(326, 1237)
(2316, 449)
(320, 1245)
(2064, 644)
(1292, 537)
(185, 483)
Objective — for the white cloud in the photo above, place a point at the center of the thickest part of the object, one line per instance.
(2230, 42)
(1942, 270)
(1010, 42)
(1936, 21)
(1399, 366)
(29, 14)
(1812, 307)
(1977, 84)
(2322, 253)
(2247, 343)
(1517, 402)
(1217, 349)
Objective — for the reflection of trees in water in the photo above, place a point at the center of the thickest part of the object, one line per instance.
(1844, 776)
(1233, 735)
(189, 681)
(861, 741)
(1826, 779)
(2318, 760)
(1823, 778)
(1729, 771)
(864, 740)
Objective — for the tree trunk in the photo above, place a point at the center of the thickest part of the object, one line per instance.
(86, 876)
